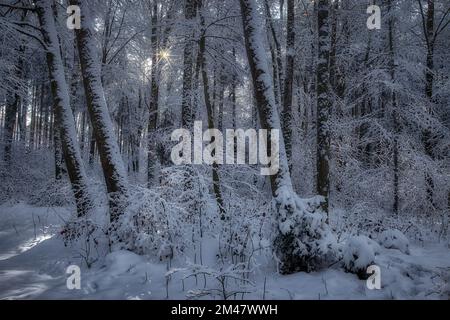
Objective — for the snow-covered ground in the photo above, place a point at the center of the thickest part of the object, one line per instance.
(33, 263)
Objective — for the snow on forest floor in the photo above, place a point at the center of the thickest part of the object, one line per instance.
(33, 264)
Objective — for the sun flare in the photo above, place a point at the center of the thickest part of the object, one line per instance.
(164, 55)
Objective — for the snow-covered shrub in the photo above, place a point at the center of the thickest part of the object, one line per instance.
(364, 219)
(246, 226)
(25, 175)
(221, 278)
(304, 241)
(358, 255)
(360, 219)
(53, 194)
(75, 229)
(169, 219)
(153, 225)
(86, 237)
(59, 193)
(188, 187)
(394, 239)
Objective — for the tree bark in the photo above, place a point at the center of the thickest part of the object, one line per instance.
(294, 228)
(395, 118)
(190, 12)
(323, 104)
(13, 102)
(154, 98)
(289, 80)
(429, 79)
(209, 109)
(264, 95)
(59, 170)
(63, 114)
(276, 55)
(110, 157)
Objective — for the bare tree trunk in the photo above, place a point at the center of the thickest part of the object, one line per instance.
(136, 139)
(154, 98)
(111, 159)
(396, 123)
(45, 125)
(13, 102)
(333, 62)
(92, 146)
(158, 40)
(289, 80)
(233, 96)
(209, 109)
(323, 104)
(63, 114)
(83, 132)
(190, 12)
(293, 231)
(429, 79)
(23, 121)
(221, 95)
(42, 104)
(59, 170)
(265, 98)
(33, 115)
(276, 55)
(42, 101)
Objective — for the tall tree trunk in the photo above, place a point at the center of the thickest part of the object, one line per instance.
(45, 125)
(289, 79)
(33, 115)
(42, 104)
(209, 109)
(158, 43)
(233, 95)
(23, 121)
(220, 110)
(92, 146)
(59, 170)
(83, 132)
(136, 140)
(63, 113)
(429, 79)
(395, 117)
(276, 55)
(190, 12)
(13, 102)
(265, 98)
(154, 98)
(295, 229)
(333, 48)
(323, 104)
(111, 159)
